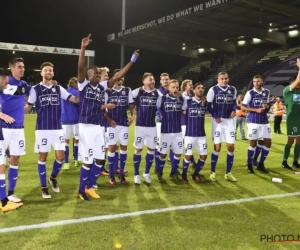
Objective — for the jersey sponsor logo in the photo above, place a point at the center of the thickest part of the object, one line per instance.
(95, 94)
(148, 101)
(49, 99)
(224, 99)
(296, 98)
(173, 106)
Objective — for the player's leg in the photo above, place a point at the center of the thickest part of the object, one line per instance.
(296, 153)
(279, 124)
(267, 135)
(236, 124)
(123, 139)
(104, 172)
(6, 204)
(189, 144)
(42, 147)
(58, 143)
(67, 130)
(183, 131)
(176, 144)
(217, 140)
(111, 155)
(158, 129)
(139, 139)
(230, 140)
(17, 148)
(242, 128)
(75, 133)
(253, 137)
(164, 144)
(150, 142)
(201, 147)
(286, 152)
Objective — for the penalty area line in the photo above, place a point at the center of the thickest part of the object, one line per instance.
(138, 213)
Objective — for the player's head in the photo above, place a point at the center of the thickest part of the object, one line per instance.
(198, 89)
(240, 98)
(73, 82)
(119, 83)
(104, 74)
(3, 79)
(258, 82)
(223, 79)
(148, 80)
(17, 68)
(164, 80)
(47, 71)
(292, 79)
(173, 87)
(93, 74)
(187, 86)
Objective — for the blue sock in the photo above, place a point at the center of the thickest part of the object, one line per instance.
(199, 167)
(156, 158)
(136, 163)
(111, 161)
(149, 161)
(84, 178)
(56, 168)
(93, 175)
(193, 160)
(171, 156)
(3, 193)
(116, 166)
(75, 151)
(123, 158)
(230, 157)
(175, 164)
(250, 155)
(67, 152)
(185, 166)
(161, 164)
(264, 153)
(42, 173)
(257, 152)
(12, 177)
(214, 160)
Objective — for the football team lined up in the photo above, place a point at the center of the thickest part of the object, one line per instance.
(94, 111)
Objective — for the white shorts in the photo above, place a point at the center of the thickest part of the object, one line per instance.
(116, 135)
(106, 139)
(199, 143)
(145, 136)
(70, 129)
(223, 131)
(173, 140)
(45, 138)
(183, 130)
(15, 140)
(91, 142)
(259, 131)
(2, 153)
(158, 129)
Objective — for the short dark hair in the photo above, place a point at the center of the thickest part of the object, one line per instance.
(197, 84)
(292, 79)
(3, 72)
(45, 64)
(116, 71)
(13, 61)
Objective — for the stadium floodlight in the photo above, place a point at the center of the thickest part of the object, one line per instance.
(212, 49)
(200, 50)
(225, 40)
(293, 33)
(183, 48)
(256, 40)
(241, 42)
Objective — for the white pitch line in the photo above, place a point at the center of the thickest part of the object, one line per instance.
(133, 214)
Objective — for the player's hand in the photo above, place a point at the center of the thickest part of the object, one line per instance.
(184, 112)
(232, 115)
(110, 106)
(8, 119)
(54, 83)
(135, 56)
(86, 41)
(112, 123)
(130, 120)
(265, 106)
(272, 98)
(298, 63)
(260, 110)
(218, 120)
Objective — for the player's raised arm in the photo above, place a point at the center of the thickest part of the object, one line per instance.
(81, 61)
(124, 70)
(296, 83)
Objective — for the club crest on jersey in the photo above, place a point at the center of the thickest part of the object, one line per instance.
(123, 92)
(98, 89)
(264, 94)
(23, 90)
(53, 90)
(229, 92)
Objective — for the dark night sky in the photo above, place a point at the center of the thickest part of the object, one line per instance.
(63, 23)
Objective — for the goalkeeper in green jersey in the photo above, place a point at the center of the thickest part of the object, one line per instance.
(291, 95)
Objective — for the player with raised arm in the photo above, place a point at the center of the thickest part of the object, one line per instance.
(13, 99)
(69, 120)
(257, 103)
(195, 136)
(5, 205)
(47, 99)
(171, 136)
(291, 95)
(145, 131)
(221, 103)
(121, 97)
(91, 137)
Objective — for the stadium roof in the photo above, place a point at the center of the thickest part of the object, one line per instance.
(215, 25)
